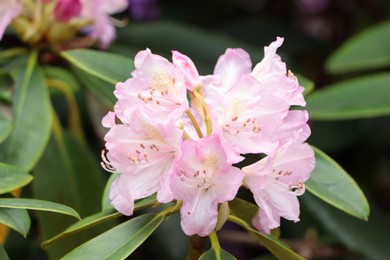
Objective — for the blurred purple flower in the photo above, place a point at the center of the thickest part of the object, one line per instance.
(143, 10)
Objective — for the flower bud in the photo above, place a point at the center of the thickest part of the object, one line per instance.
(65, 10)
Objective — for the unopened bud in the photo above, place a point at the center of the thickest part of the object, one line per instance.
(65, 10)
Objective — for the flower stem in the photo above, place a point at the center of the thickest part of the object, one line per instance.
(197, 244)
(193, 121)
(206, 115)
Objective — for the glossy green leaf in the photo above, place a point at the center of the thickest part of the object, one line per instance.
(9, 53)
(17, 219)
(3, 253)
(12, 178)
(34, 204)
(69, 174)
(98, 218)
(106, 194)
(243, 209)
(5, 128)
(6, 86)
(357, 98)
(106, 66)
(370, 239)
(368, 49)
(64, 75)
(100, 88)
(32, 119)
(214, 254)
(306, 83)
(275, 246)
(332, 184)
(120, 241)
(83, 224)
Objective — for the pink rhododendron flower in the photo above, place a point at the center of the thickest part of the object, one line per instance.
(276, 181)
(203, 178)
(98, 11)
(271, 73)
(143, 152)
(185, 64)
(190, 148)
(9, 9)
(157, 86)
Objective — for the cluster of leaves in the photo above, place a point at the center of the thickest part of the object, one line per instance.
(33, 140)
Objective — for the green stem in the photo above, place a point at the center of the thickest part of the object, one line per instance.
(193, 121)
(206, 115)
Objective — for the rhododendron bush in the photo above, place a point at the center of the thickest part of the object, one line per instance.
(203, 139)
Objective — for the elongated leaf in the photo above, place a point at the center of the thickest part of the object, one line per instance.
(371, 238)
(276, 247)
(32, 120)
(243, 209)
(332, 184)
(69, 174)
(12, 178)
(64, 75)
(102, 89)
(368, 49)
(120, 241)
(87, 222)
(3, 253)
(17, 219)
(5, 128)
(34, 204)
(306, 83)
(106, 203)
(362, 97)
(106, 66)
(98, 218)
(213, 254)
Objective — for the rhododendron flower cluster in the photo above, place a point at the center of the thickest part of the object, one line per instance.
(181, 135)
(43, 22)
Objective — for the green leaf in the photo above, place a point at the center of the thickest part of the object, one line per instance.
(368, 49)
(17, 219)
(357, 98)
(98, 218)
(106, 203)
(12, 178)
(34, 204)
(332, 184)
(306, 83)
(83, 224)
(9, 53)
(106, 66)
(102, 89)
(32, 119)
(120, 241)
(3, 253)
(52, 72)
(69, 174)
(370, 238)
(214, 254)
(5, 128)
(275, 246)
(243, 209)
